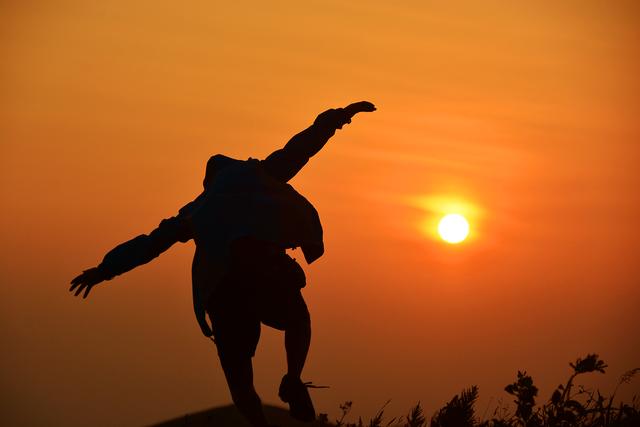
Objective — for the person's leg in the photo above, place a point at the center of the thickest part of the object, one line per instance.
(297, 333)
(282, 307)
(297, 339)
(293, 391)
(236, 331)
(239, 374)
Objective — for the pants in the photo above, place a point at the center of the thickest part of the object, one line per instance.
(261, 286)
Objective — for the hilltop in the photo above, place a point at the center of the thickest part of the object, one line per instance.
(228, 416)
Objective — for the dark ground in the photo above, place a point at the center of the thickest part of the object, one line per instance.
(228, 416)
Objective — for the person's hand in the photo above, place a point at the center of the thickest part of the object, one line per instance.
(86, 281)
(352, 109)
(339, 117)
(359, 107)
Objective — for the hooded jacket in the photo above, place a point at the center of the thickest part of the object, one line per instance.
(248, 198)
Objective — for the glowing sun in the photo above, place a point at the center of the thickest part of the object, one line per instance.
(453, 228)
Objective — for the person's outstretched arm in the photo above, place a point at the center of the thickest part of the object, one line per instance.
(285, 163)
(137, 251)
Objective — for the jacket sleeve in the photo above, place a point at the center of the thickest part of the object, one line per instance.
(145, 247)
(285, 163)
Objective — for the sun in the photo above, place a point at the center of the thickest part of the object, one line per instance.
(453, 228)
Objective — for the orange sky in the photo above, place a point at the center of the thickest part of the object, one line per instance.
(527, 112)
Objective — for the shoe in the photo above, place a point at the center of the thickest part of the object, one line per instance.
(294, 392)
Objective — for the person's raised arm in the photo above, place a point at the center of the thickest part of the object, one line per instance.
(285, 163)
(137, 251)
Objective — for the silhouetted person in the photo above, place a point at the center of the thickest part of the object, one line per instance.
(242, 223)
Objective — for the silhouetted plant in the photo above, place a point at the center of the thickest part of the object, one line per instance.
(568, 406)
(415, 418)
(376, 421)
(564, 409)
(345, 408)
(459, 412)
(525, 393)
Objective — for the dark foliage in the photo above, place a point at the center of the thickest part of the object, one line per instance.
(525, 393)
(568, 406)
(459, 411)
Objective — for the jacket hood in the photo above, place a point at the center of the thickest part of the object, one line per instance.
(215, 164)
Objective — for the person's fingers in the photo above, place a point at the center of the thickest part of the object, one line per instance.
(362, 106)
(80, 289)
(365, 106)
(77, 281)
(86, 293)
